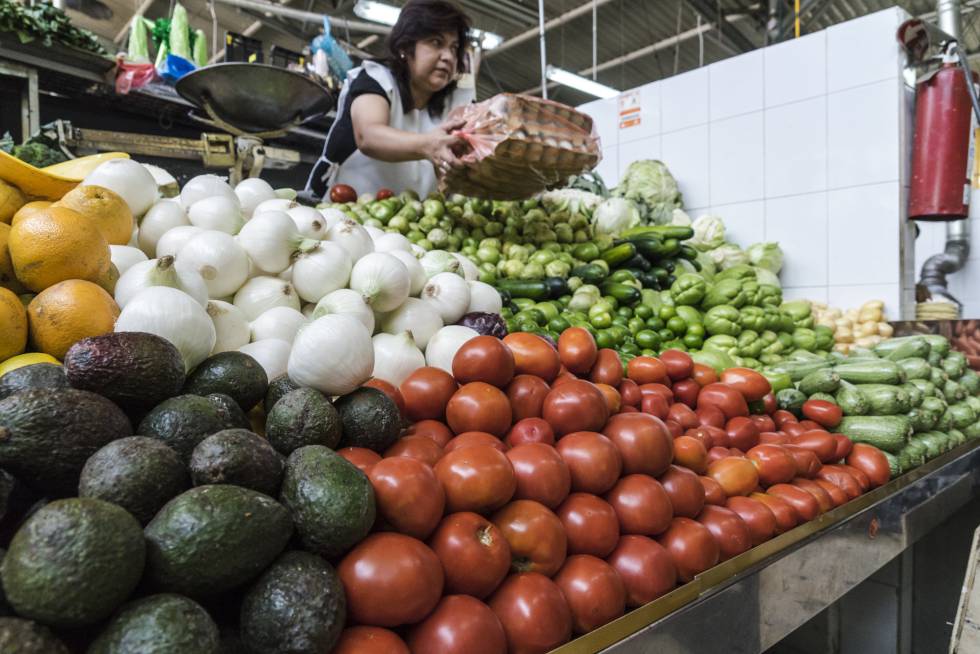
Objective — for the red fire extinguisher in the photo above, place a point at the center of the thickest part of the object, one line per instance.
(941, 155)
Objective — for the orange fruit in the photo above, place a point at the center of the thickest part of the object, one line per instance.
(105, 208)
(13, 325)
(67, 312)
(28, 209)
(7, 278)
(11, 199)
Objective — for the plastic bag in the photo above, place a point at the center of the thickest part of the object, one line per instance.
(519, 146)
(175, 67)
(180, 33)
(339, 60)
(131, 76)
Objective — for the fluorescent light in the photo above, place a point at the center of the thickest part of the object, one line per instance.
(487, 40)
(380, 12)
(582, 84)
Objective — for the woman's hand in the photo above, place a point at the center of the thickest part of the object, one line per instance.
(440, 145)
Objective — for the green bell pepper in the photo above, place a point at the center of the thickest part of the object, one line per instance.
(722, 343)
(749, 344)
(716, 359)
(752, 318)
(688, 289)
(805, 339)
(723, 320)
(690, 315)
(825, 337)
(727, 291)
(741, 272)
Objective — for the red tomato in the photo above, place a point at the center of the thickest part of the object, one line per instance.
(763, 423)
(751, 384)
(786, 516)
(674, 429)
(383, 194)
(536, 537)
(713, 492)
(608, 368)
(646, 370)
(859, 475)
(844, 446)
(427, 392)
(526, 394)
(729, 530)
(704, 375)
(628, 409)
(690, 453)
(683, 416)
(533, 355)
(408, 495)
(533, 612)
(388, 389)
(629, 391)
(823, 498)
(807, 463)
(742, 433)
(840, 478)
(655, 405)
(658, 389)
(710, 416)
(361, 457)
(590, 524)
(484, 359)
(611, 396)
(470, 438)
(717, 453)
(871, 462)
(783, 417)
(575, 406)
(390, 580)
(804, 503)
(793, 429)
(773, 438)
(530, 430)
(577, 350)
(684, 490)
(478, 406)
(774, 463)
(769, 404)
(460, 624)
(837, 495)
(641, 504)
(691, 546)
(736, 476)
(757, 516)
(541, 474)
(819, 442)
(369, 640)
(437, 431)
(342, 193)
(419, 448)
(679, 364)
(593, 460)
(809, 425)
(724, 397)
(594, 591)
(475, 556)
(687, 391)
(643, 441)
(646, 568)
(562, 378)
(478, 478)
(716, 435)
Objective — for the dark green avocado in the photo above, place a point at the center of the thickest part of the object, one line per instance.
(277, 388)
(297, 606)
(212, 539)
(159, 624)
(73, 562)
(230, 412)
(184, 421)
(302, 417)
(370, 419)
(18, 636)
(239, 457)
(47, 435)
(36, 375)
(233, 373)
(138, 473)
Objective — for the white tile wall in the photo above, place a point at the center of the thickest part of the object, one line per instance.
(864, 235)
(796, 147)
(799, 224)
(736, 85)
(686, 154)
(863, 135)
(796, 69)
(745, 222)
(608, 168)
(863, 50)
(853, 296)
(814, 293)
(649, 115)
(648, 148)
(684, 100)
(736, 159)
(605, 115)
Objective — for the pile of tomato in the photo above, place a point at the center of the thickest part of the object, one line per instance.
(541, 493)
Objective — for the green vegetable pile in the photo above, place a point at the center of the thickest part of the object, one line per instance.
(43, 21)
(40, 150)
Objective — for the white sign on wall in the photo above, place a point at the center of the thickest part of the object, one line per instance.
(629, 109)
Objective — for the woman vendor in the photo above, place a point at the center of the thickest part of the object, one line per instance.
(391, 129)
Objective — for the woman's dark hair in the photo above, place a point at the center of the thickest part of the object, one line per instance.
(419, 20)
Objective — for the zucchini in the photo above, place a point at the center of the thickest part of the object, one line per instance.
(618, 254)
(826, 397)
(935, 359)
(804, 355)
(687, 252)
(885, 400)
(797, 370)
(972, 432)
(887, 433)
(927, 388)
(650, 248)
(590, 273)
(680, 232)
(974, 403)
(963, 415)
(945, 422)
(933, 405)
(955, 365)
(824, 380)
(586, 251)
(623, 293)
(936, 443)
(956, 438)
(531, 289)
(915, 395)
(916, 368)
(851, 401)
(912, 348)
(671, 247)
(921, 420)
(938, 377)
(935, 342)
(881, 372)
(970, 382)
(894, 469)
(790, 399)
(639, 262)
(953, 392)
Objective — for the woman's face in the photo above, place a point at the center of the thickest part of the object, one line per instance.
(433, 65)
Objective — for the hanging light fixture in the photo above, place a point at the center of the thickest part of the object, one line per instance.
(580, 83)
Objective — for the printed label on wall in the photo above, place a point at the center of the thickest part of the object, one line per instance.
(629, 109)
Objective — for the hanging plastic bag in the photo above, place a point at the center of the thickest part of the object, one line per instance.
(175, 67)
(200, 49)
(337, 57)
(131, 75)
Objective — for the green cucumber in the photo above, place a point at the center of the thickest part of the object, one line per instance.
(887, 433)
(623, 293)
(532, 289)
(590, 273)
(618, 254)
(790, 399)
(851, 400)
(881, 372)
(820, 381)
(680, 232)
(916, 368)
(885, 400)
(797, 370)
(912, 348)
(826, 397)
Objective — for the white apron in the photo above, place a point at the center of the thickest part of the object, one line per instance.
(367, 175)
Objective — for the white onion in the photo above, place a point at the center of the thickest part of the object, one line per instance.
(415, 271)
(416, 317)
(333, 354)
(286, 275)
(262, 293)
(382, 279)
(252, 192)
(332, 216)
(308, 310)
(230, 326)
(129, 180)
(309, 221)
(275, 204)
(391, 242)
(352, 237)
(418, 251)
(396, 357)
(219, 212)
(321, 270)
(467, 268)
(272, 355)
(218, 258)
(173, 315)
(278, 322)
(445, 343)
(439, 261)
(485, 298)
(449, 294)
(175, 239)
(124, 257)
(203, 187)
(134, 237)
(347, 302)
(286, 193)
(160, 219)
(374, 232)
(159, 272)
(271, 240)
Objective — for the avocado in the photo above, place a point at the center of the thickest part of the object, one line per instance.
(5, 608)
(211, 539)
(138, 473)
(239, 457)
(47, 435)
(297, 606)
(230, 412)
(73, 562)
(233, 373)
(370, 419)
(135, 370)
(302, 417)
(159, 624)
(277, 388)
(331, 500)
(36, 375)
(184, 421)
(19, 636)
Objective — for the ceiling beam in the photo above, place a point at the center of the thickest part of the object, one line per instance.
(729, 32)
(557, 21)
(142, 9)
(307, 16)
